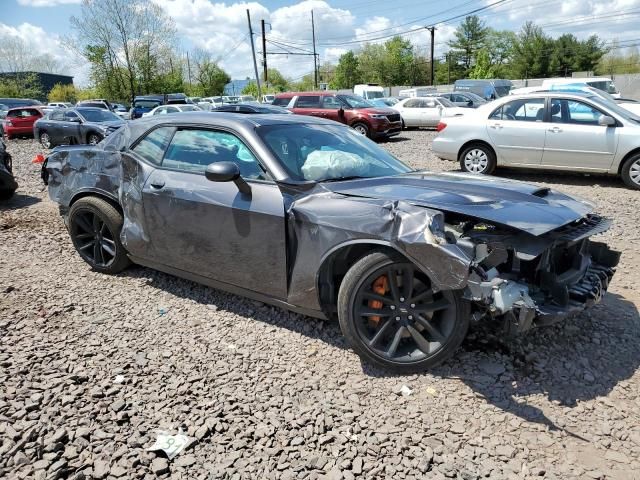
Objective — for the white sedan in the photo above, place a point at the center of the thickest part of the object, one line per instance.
(164, 109)
(426, 111)
(552, 130)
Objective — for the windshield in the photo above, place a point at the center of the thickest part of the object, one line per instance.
(3, 107)
(604, 85)
(96, 115)
(356, 102)
(623, 112)
(446, 102)
(502, 90)
(146, 104)
(474, 97)
(328, 152)
(371, 94)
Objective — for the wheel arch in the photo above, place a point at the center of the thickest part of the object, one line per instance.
(477, 142)
(112, 200)
(337, 261)
(627, 157)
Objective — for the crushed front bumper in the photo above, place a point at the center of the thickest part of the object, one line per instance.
(522, 306)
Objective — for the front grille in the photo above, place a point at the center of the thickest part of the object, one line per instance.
(583, 228)
(394, 117)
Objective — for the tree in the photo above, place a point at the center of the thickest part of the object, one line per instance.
(210, 78)
(531, 52)
(470, 37)
(499, 46)
(371, 63)
(63, 93)
(17, 56)
(25, 85)
(124, 40)
(398, 62)
(483, 67)
(347, 73)
(276, 81)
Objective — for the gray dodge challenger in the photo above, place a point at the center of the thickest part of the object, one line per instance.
(308, 215)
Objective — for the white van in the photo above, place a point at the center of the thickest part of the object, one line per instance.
(369, 91)
(601, 83)
(417, 92)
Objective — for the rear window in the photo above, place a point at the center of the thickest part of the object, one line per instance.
(94, 105)
(281, 101)
(146, 104)
(308, 101)
(24, 112)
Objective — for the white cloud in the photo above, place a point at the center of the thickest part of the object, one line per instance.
(46, 3)
(39, 42)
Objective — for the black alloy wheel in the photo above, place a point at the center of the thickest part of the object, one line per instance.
(94, 139)
(94, 226)
(395, 318)
(93, 239)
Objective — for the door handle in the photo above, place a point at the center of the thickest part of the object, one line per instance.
(555, 129)
(157, 183)
(496, 125)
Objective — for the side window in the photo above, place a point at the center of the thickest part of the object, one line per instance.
(331, 102)
(191, 150)
(281, 102)
(56, 116)
(530, 110)
(413, 103)
(69, 116)
(430, 103)
(573, 111)
(160, 111)
(171, 110)
(152, 147)
(308, 101)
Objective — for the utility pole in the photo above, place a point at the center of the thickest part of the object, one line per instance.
(315, 58)
(188, 68)
(447, 56)
(264, 53)
(432, 30)
(253, 54)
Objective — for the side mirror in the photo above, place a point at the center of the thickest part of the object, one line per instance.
(606, 121)
(75, 120)
(227, 172)
(470, 103)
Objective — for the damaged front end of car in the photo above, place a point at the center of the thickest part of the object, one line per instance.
(526, 281)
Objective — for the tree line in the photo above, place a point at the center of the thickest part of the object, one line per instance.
(476, 51)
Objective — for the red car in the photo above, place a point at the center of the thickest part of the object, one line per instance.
(358, 113)
(20, 120)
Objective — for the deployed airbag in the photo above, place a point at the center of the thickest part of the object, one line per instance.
(323, 164)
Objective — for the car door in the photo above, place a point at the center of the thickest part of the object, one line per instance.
(332, 108)
(211, 228)
(411, 114)
(308, 105)
(71, 128)
(575, 140)
(517, 130)
(53, 125)
(430, 112)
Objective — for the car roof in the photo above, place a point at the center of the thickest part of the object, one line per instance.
(22, 107)
(321, 93)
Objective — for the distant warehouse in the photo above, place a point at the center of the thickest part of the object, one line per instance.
(45, 81)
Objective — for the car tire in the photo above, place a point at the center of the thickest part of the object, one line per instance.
(91, 220)
(421, 338)
(631, 172)
(94, 138)
(45, 140)
(361, 128)
(478, 158)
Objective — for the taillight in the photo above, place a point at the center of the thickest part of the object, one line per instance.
(441, 126)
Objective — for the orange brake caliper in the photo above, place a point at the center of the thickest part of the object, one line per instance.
(380, 286)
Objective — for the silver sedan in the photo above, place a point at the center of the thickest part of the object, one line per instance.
(552, 130)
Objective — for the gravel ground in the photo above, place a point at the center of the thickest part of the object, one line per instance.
(92, 366)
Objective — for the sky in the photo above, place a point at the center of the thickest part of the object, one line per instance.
(340, 25)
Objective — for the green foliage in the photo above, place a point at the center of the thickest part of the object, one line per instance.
(21, 86)
(617, 62)
(276, 82)
(63, 93)
(483, 67)
(470, 37)
(347, 73)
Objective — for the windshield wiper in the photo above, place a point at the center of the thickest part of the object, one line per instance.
(342, 179)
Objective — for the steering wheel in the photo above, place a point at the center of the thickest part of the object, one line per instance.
(510, 116)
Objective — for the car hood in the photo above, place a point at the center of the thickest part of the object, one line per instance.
(529, 208)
